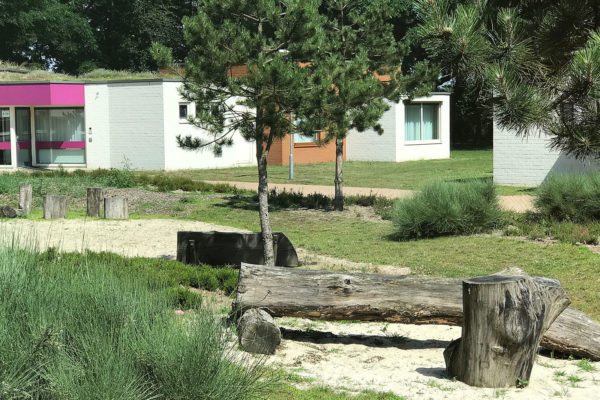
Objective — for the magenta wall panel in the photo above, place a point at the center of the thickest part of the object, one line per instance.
(43, 94)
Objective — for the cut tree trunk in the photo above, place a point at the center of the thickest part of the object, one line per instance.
(258, 333)
(404, 298)
(25, 198)
(115, 208)
(263, 204)
(504, 319)
(94, 202)
(339, 179)
(55, 206)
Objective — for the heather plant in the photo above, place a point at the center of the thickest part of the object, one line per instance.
(74, 328)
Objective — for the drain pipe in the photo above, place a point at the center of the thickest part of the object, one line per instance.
(291, 145)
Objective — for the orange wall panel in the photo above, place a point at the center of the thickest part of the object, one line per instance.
(303, 153)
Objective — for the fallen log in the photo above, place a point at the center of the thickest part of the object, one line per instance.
(407, 299)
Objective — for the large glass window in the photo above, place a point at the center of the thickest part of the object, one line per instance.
(5, 137)
(421, 122)
(60, 135)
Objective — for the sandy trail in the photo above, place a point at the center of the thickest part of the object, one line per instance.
(405, 359)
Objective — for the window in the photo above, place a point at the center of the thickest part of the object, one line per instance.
(60, 135)
(421, 122)
(301, 138)
(183, 112)
(5, 158)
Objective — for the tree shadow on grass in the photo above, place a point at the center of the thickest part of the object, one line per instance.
(385, 341)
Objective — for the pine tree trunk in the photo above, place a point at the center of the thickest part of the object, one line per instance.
(339, 181)
(263, 204)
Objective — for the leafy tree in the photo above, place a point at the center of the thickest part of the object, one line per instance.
(269, 38)
(354, 74)
(537, 62)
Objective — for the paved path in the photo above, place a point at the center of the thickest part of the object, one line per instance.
(518, 203)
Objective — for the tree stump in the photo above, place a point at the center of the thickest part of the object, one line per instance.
(94, 202)
(258, 333)
(55, 206)
(504, 320)
(115, 208)
(25, 198)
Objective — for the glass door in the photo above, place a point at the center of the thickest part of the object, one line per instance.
(23, 127)
(5, 158)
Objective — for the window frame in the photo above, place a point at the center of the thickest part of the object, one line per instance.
(35, 162)
(438, 123)
(314, 143)
(187, 113)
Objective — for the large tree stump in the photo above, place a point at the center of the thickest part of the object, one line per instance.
(94, 202)
(504, 320)
(258, 333)
(25, 198)
(115, 208)
(55, 206)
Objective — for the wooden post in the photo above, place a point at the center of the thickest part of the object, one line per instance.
(94, 202)
(115, 208)
(25, 198)
(504, 320)
(258, 333)
(55, 206)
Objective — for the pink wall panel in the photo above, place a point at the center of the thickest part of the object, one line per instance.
(44, 94)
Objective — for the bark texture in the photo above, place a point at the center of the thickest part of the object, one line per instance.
(406, 299)
(115, 208)
(339, 178)
(7, 212)
(258, 333)
(25, 198)
(94, 202)
(504, 319)
(263, 204)
(55, 206)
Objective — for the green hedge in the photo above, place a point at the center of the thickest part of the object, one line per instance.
(448, 208)
(573, 198)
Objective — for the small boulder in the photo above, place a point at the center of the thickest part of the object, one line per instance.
(7, 212)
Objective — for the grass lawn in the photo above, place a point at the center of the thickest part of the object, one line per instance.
(354, 239)
(463, 165)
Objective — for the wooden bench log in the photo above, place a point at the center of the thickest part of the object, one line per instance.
(408, 299)
(55, 206)
(94, 202)
(504, 319)
(25, 198)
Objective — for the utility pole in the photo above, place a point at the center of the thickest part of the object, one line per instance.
(291, 145)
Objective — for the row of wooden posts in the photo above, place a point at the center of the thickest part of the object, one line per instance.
(55, 206)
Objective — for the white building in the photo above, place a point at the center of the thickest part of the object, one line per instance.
(528, 161)
(416, 130)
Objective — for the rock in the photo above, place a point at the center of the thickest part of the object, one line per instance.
(7, 212)
(258, 333)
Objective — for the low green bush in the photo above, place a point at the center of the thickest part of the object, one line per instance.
(168, 183)
(574, 198)
(83, 328)
(448, 208)
(535, 227)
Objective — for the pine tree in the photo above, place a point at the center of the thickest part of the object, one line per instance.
(355, 74)
(270, 39)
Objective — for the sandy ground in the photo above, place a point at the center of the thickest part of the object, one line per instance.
(405, 359)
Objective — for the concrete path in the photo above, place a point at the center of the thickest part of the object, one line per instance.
(518, 203)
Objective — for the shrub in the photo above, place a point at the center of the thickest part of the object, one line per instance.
(445, 208)
(75, 328)
(574, 198)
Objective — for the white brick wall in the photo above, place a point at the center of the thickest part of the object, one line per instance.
(370, 146)
(527, 161)
(136, 125)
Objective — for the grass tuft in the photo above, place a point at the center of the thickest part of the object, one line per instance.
(572, 198)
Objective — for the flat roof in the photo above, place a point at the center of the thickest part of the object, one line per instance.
(91, 82)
